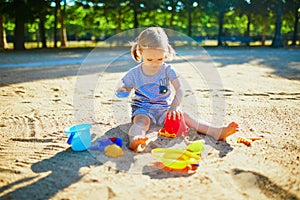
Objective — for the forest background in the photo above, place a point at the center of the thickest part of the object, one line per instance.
(75, 23)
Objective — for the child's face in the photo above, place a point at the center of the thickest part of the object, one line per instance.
(153, 57)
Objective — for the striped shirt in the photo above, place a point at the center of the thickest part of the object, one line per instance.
(148, 89)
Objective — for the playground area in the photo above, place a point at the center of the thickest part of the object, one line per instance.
(45, 91)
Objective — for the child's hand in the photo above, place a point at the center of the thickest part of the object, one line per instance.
(122, 92)
(174, 112)
(121, 89)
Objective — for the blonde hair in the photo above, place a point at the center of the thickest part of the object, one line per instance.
(153, 37)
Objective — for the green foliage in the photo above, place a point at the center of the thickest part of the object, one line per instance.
(85, 19)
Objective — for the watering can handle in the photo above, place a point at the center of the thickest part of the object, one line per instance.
(70, 138)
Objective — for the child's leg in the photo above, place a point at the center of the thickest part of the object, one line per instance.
(137, 131)
(218, 133)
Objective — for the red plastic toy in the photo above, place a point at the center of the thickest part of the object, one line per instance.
(174, 127)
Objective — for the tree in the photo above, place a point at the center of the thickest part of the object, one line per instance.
(257, 12)
(277, 41)
(265, 8)
(148, 12)
(40, 10)
(189, 8)
(247, 8)
(61, 18)
(296, 21)
(42, 30)
(291, 10)
(98, 18)
(21, 12)
(119, 8)
(220, 7)
(4, 11)
(63, 31)
(3, 42)
(57, 7)
(19, 31)
(171, 6)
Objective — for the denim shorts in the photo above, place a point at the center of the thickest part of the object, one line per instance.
(157, 116)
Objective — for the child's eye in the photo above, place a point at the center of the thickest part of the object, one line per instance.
(160, 59)
(149, 59)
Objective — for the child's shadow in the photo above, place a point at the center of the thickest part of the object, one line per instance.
(63, 170)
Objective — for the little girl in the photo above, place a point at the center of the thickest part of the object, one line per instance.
(151, 80)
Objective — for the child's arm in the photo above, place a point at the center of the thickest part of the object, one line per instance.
(174, 108)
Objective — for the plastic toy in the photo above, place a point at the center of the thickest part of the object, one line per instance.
(244, 141)
(117, 141)
(195, 147)
(175, 158)
(103, 143)
(247, 141)
(79, 136)
(122, 94)
(138, 145)
(174, 127)
(113, 151)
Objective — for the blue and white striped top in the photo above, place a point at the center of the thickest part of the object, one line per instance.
(147, 89)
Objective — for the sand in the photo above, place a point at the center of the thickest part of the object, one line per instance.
(44, 92)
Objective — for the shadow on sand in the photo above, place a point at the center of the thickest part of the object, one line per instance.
(64, 167)
(53, 64)
(63, 170)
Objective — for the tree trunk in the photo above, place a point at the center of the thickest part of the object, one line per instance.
(264, 37)
(296, 24)
(173, 5)
(119, 20)
(171, 20)
(19, 31)
(221, 17)
(136, 22)
(43, 32)
(57, 6)
(3, 42)
(248, 25)
(189, 21)
(277, 41)
(63, 31)
(135, 15)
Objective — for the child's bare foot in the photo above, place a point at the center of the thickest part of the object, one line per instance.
(138, 144)
(224, 132)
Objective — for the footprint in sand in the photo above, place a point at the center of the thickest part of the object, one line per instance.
(56, 96)
(20, 90)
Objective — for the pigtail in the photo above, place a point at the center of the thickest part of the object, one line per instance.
(171, 53)
(134, 52)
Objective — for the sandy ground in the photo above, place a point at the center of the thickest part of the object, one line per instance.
(44, 92)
